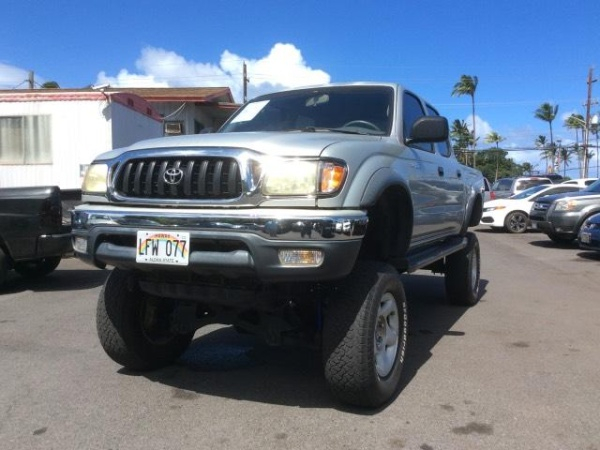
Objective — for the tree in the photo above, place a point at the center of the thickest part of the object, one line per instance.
(546, 151)
(462, 139)
(565, 156)
(467, 86)
(50, 85)
(547, 113)
(527, 168)
(494, 138)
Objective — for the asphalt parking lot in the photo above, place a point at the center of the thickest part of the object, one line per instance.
(517, 371)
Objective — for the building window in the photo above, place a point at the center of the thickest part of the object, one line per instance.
(25, 140)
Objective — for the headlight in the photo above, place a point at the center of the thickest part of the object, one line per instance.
(95, 179)
(567, 205)
(294, 177)
(493, 208)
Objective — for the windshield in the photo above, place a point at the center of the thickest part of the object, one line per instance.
(346, 109)
(529, 192)
(593, 188)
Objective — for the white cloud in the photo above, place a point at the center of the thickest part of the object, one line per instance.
(283, 67)
(13, 77)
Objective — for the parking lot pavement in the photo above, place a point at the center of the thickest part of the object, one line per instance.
(517, 371)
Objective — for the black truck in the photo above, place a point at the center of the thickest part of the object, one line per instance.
(35, 229)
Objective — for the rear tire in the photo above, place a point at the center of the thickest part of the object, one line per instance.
(37, 268)
(364, 336)
(463, 272)
(133, 326)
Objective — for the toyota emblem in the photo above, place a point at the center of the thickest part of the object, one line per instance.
(173, 176)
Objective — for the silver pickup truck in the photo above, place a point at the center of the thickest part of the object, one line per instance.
(292, 222)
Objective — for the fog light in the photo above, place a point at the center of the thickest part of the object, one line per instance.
(80, 244)
(300, 257)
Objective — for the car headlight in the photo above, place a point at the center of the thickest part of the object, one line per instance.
(493, 208)
(295, 177)
(95, 180)
(567, 205)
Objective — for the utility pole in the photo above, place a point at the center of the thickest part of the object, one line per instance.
(586, 140)
(246, 80)
(31, 79)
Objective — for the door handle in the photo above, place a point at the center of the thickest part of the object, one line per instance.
(440, 171)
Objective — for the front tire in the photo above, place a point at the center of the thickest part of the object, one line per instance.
(463, 272)
(364, 336)
(133, 326)
(516, 222)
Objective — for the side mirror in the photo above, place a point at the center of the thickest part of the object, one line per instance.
(428, 129)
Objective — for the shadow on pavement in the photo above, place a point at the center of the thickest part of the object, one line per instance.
(61, 279)
(227, 364)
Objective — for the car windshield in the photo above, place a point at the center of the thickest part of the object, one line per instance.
(529, 192)
(344, 109)
(593, 188)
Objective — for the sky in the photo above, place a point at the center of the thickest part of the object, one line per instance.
(523, 52)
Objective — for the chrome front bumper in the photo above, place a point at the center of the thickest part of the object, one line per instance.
(257, 235)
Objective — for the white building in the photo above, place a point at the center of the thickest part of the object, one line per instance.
(49, 136)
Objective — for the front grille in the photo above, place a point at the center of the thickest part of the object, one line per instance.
(180, 178)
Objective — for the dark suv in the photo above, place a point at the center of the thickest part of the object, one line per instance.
(560, 216)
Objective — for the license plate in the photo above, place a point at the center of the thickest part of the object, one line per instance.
(586, 238)
(163, 247)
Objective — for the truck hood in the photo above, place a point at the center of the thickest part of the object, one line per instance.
(289, 143)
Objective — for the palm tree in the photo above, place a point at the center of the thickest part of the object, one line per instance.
(547, 113)
(546, 152)
(493, 137)
(565, 156)
(467, 86)
(462, 138)
(576, 122)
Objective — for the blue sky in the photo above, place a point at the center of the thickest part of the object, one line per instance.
(523, 52)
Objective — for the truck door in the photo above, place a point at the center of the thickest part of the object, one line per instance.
(425, 179)
(451, 181)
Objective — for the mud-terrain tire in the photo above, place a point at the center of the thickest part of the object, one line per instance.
(364, 336)
(133, 326)
(37, 268)
(516, 222)
(463, 272)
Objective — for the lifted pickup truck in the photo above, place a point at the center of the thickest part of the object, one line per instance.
(35, 230)
(292, 222)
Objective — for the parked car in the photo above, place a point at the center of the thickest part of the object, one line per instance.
(35, 229)
(505, 187)
(512, 214)
(583, 182)
(589, 234)
(561, 216)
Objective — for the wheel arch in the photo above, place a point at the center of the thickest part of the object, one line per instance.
(390, 211)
